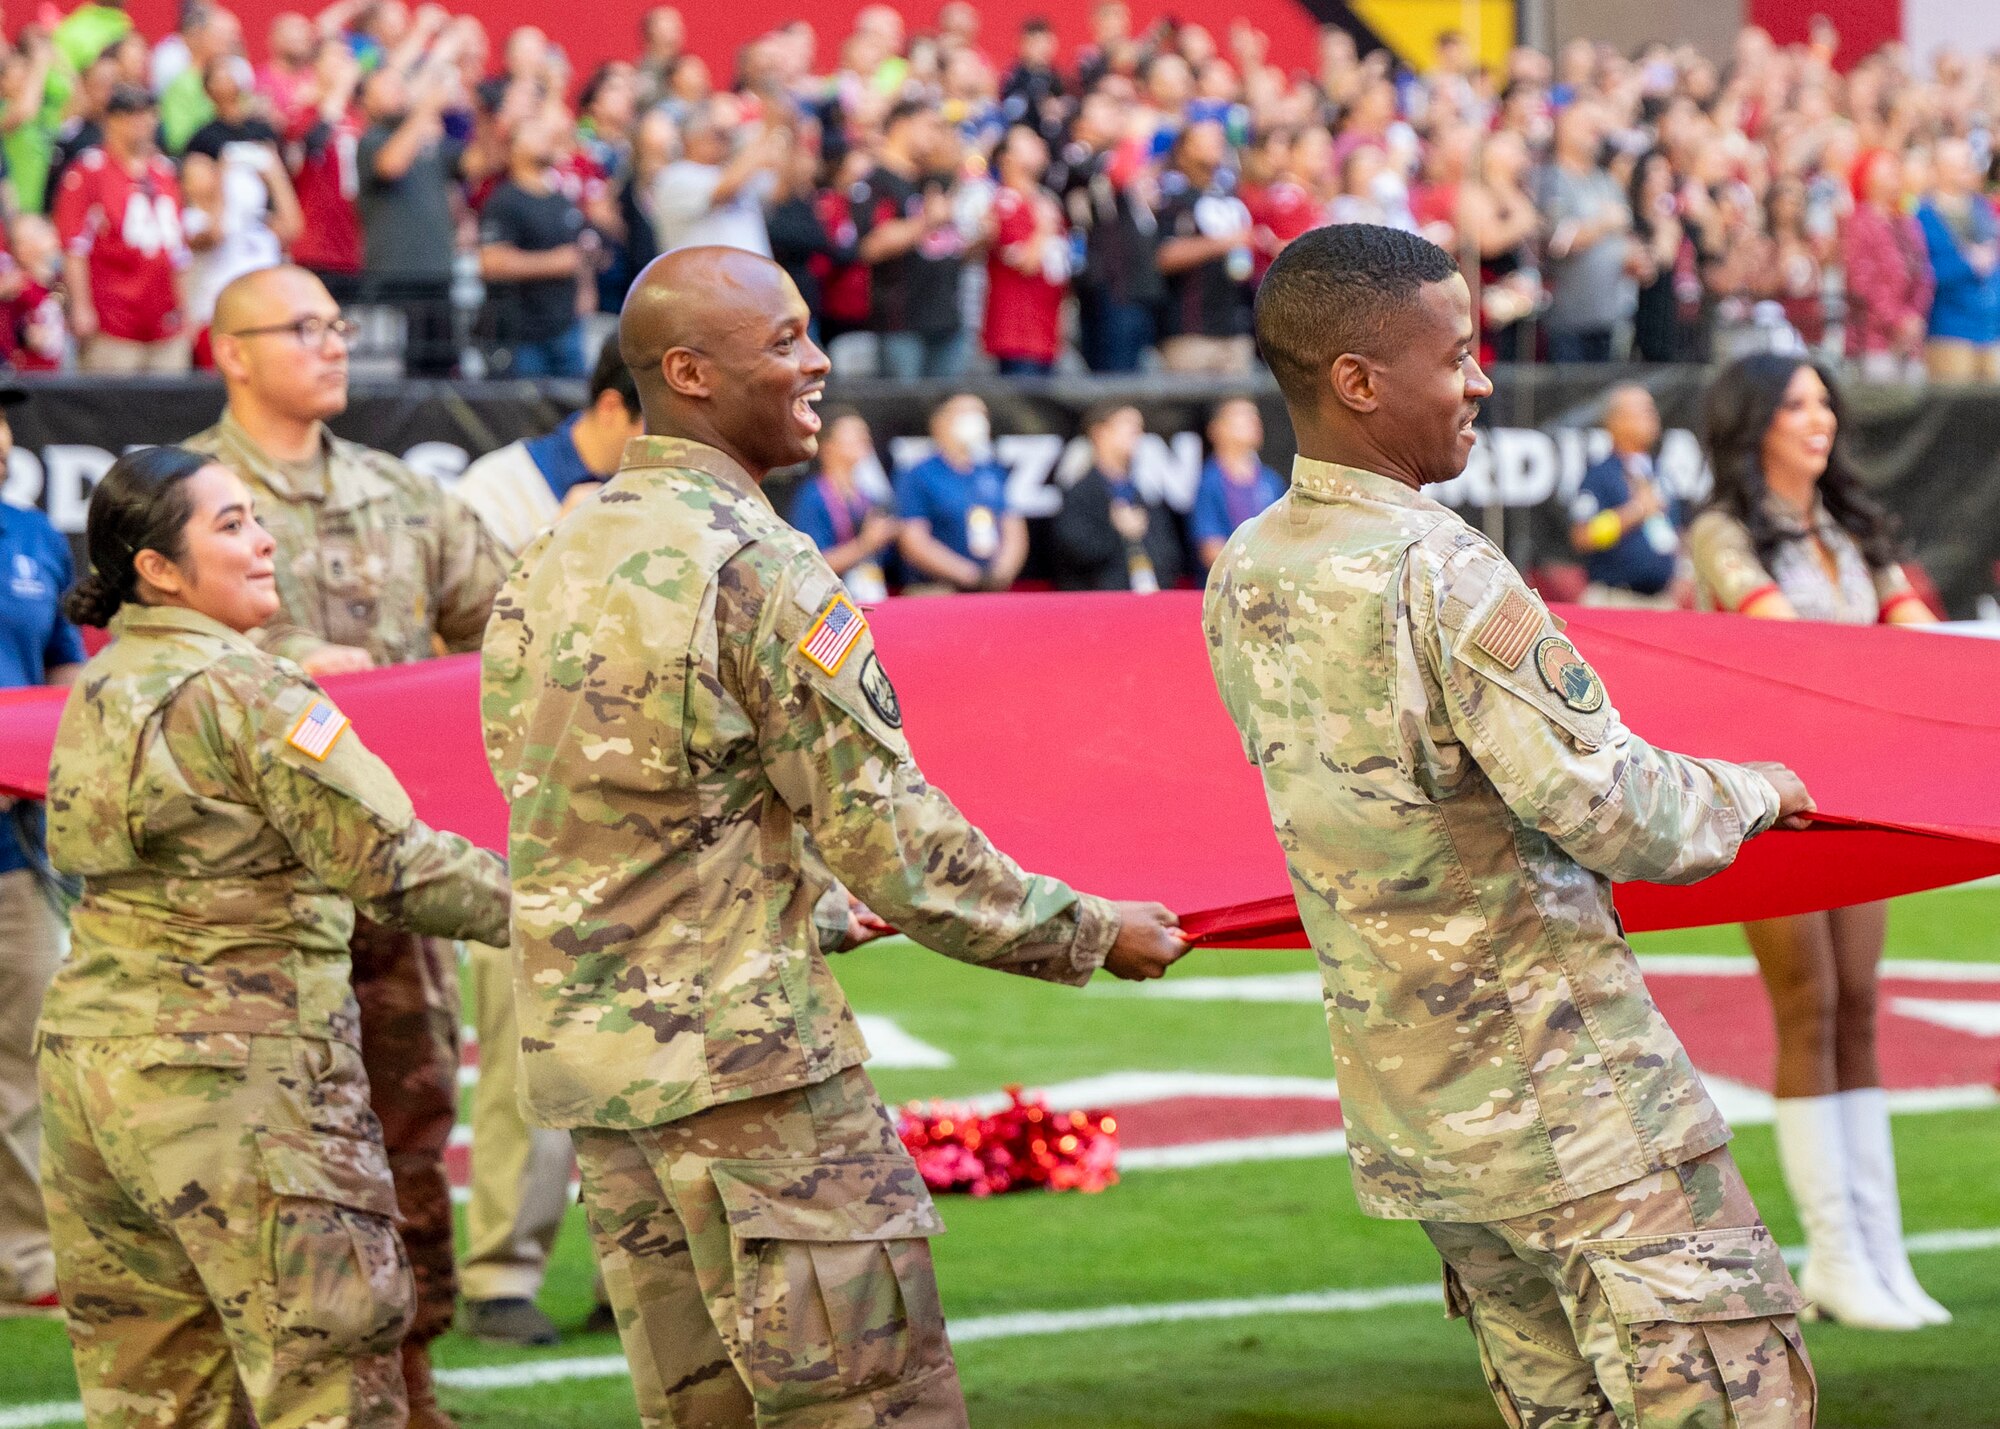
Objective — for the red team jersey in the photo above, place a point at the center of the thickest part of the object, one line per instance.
(327, 178)
(1023, 310)
(128, 227)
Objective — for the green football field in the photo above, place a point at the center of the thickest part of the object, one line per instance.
(1248, 1291)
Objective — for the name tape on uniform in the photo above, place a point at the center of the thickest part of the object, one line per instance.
(833, 635)
(317, 730)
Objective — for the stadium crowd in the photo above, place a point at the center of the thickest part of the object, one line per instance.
(950, 200)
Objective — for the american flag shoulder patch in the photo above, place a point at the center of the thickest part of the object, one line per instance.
(1507, 633)
(318, 729)
(833, 636)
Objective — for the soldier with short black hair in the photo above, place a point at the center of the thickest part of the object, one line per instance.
(1455, 794)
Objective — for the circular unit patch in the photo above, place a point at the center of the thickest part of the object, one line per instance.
(1564, 672)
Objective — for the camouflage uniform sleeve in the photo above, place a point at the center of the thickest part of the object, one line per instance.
(349, 821)
(832, 745)
(830, 919)
(1537, 720)
(473, 566)
(1725, 562)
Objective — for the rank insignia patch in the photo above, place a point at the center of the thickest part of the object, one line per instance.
(833, 635)
(1510, 629)
(318, 730)
(881, 694)
(1564, 672)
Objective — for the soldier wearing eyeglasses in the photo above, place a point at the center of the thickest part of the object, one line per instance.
(377, 565)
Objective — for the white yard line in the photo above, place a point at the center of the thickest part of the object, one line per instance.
(1304, 987)
(1019, 1325)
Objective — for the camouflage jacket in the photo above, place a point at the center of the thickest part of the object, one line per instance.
(1454, 793)
(226, 823)
(695, 735)
(381, 557)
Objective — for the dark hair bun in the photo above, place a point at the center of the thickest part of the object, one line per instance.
(92, 601)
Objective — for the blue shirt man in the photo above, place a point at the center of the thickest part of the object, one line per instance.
(523, 488)
(1623, 523)
(958, 531)
(1221, 503)
(36, 638)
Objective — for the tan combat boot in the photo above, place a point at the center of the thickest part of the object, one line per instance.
(425, 1412)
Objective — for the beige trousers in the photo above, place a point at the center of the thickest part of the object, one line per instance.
(121, 357)
(520, 1173)
(1209, 356)
(31, 947)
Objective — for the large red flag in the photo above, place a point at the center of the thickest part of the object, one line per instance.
(1083, 732)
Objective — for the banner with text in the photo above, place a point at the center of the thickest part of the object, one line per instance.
(1929, 453)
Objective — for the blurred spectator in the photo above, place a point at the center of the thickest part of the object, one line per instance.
(119, 217)
(86, 32)
(1964, 248)
(910, 238)
(25, 139)
(1371, 191)
(211, 34)
(1295, 198)
(1801, 261)
(324, 143)
(958, 531)
(836, 507)
(1028, 263)
(1889, 281)
(1107, 536)
(1235, 483)
(287, 79)
(1741, 271)
(525, 487)
(535, 258)
(663, 36)
(1111, 202)
(83, 126)
(409, 165)
(801, 240)
(241, 213)
(1497, 221)
(1033, 91)
(34, 327)
(1656, 229)
(710, 196)
(1624, 524)
(1205, 258)
(1588, 247)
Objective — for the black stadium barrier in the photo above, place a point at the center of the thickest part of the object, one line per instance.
(1932, 454)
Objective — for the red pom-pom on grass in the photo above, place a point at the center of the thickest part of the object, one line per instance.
(1022, 1145)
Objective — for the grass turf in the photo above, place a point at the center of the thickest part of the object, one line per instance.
(1260, 1229)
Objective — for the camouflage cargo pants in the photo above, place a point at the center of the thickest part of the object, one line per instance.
(221, 1209)
(408, 991)
(1662, 1302)
(769, 1264)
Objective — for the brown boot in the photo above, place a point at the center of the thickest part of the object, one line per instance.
(425, 1412)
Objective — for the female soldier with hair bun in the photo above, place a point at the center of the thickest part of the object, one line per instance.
(216, 1185)
(1790, 533)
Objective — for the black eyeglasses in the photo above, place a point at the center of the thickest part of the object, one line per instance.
(309, 332)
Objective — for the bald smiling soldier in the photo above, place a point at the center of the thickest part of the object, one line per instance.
(703, 754)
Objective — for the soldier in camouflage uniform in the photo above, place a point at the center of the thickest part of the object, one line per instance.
(217, 1188)
(1455, 793)
(703, 753)
(377, 565)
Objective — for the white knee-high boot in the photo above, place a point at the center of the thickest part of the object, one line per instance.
(1840, 1281)
(1871, 1157)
